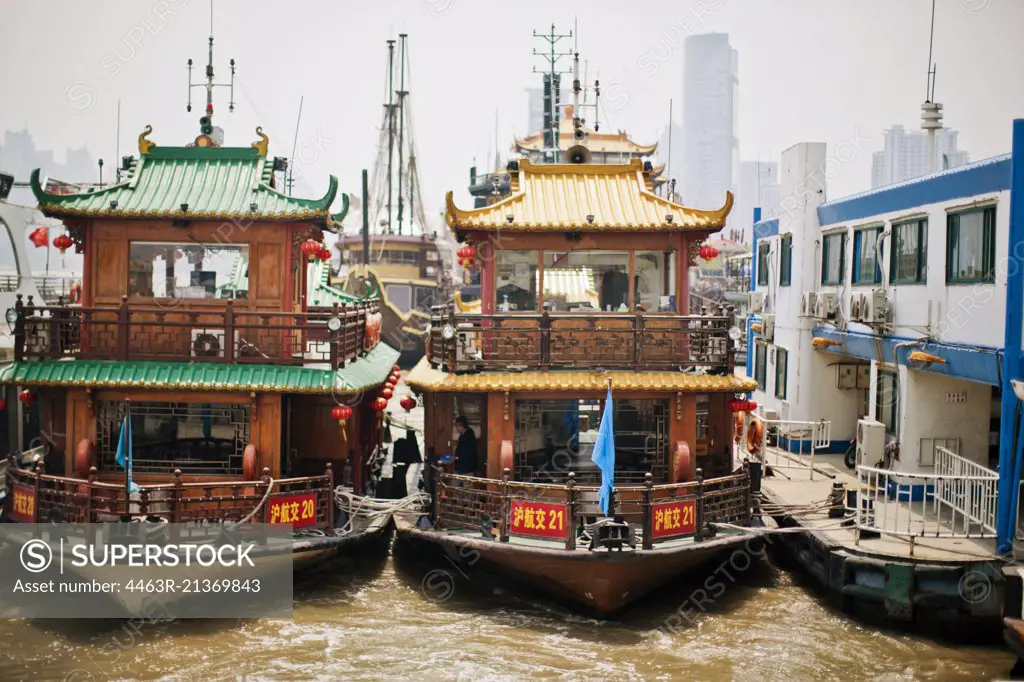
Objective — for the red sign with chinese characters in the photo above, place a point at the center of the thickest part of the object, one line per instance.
(23, 504)
(298, 510)
(538, 518)
(674, 518)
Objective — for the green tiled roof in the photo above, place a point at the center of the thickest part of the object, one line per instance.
(369, 370)
(216, 183)
(321, 293)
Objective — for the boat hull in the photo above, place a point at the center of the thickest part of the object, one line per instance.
(601, 582)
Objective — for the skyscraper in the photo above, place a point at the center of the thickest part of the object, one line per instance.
(710, 144)
(758, 188)
(905, 155)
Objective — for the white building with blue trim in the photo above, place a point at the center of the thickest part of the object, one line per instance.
(897, 303)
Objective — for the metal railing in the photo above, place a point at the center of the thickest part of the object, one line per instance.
(54, 290)
(787, 444)
(461, 342)
(492, 506)
(60, 499)
(222, 334)
(957, 501)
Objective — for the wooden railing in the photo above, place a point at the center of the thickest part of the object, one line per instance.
(135, 332)
(660, 512)
(59, 499)
(461, 342)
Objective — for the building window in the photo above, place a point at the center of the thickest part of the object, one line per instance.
(786, 260)
(516, 289)
(909, 253)
(971, 246)
(762, 263)
(188, 270)
(760, 363)
(781, 372)
(833, 257)
(866, 268)
(886, 400)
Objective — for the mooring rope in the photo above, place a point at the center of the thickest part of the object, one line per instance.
(371, 508)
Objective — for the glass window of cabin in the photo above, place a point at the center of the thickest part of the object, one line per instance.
(198, 438)
(833, 258)
(760, 363)
(785, 260)
(423, 298)
(781, 372)
(763, 250)
(188, 270)
(654, 273)
(400, 296)
(887, 400)
(909, 253)
(516, 284)
(866, 250)
(971, 246)
(586, 281)
(556, 436)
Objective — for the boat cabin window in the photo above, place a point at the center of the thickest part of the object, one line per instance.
(197, 438)
(188, 270)
(654, 273)
(586, 281)
(424, 297)
(516, 289)
(556, 436)
(400, 296)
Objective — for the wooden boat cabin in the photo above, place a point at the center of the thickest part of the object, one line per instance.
(584, 284)
(195, 317)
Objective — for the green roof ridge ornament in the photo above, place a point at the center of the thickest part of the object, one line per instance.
(145, 144)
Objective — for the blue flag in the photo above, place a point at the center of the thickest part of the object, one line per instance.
(124, 452)
(604, 453)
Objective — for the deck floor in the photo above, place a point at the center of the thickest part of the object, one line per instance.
(794, 485)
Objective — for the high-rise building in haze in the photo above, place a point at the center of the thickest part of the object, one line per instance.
(758, 188)
(19, 156)
(905, 155)
(710, 144)
(536, 104)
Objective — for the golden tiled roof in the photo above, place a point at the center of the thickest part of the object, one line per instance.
(604, 143)
(424, 378)
(560, 197)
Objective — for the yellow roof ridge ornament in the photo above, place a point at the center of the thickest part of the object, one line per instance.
(261, 145)
(145, 145)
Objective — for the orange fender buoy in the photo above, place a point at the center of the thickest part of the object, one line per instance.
(685, 467)
(250, 463)
(75, 294)
(85, 458)
(739, 427)
(754, 434)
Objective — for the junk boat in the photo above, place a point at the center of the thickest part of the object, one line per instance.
(245, 401)
(584, 298)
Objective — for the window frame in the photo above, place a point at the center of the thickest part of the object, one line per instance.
(761, 364)
(922, 252)
(763, 256)
(786, 260)
(856, 277)
(826, 238)
(988, 241)
(781, 360)
(893, 406)
(244, 250)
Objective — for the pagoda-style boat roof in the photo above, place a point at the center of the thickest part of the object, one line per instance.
(423, 377)
(211, 183)
(605, 143)
(584, 197)
(368, 371)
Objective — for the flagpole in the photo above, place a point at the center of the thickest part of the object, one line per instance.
(128, 462)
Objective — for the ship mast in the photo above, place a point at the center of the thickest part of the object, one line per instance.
(401, 122)
(209, 135)
(390, 119)
(552, 78)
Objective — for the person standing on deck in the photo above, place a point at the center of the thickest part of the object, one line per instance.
(466, 460)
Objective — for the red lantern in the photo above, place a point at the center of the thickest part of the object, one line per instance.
(379, 404)
(324, 254)
(310, 248)
(396, 370)
(63, 243)
(749, 405)
(407, 403)
(467, 255)
(736, 405)
(389, 384)
(3, 404)
(386, 393)
(341, 413)
(27, 397)
(708, 252)
(395, 376)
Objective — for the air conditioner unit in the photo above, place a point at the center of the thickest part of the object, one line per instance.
(755, 301)
(768, 327)
(856, 308)
(808, 303)
(876, 307)
(825, 308)
(870, 442)
(207, 343)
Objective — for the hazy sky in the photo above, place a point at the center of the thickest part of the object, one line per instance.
(809, 70)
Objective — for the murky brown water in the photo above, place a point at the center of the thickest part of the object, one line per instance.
(375, 621)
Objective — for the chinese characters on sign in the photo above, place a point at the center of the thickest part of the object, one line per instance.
(23, 504)
(538, 518)
(298, 510)
(674, 518)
